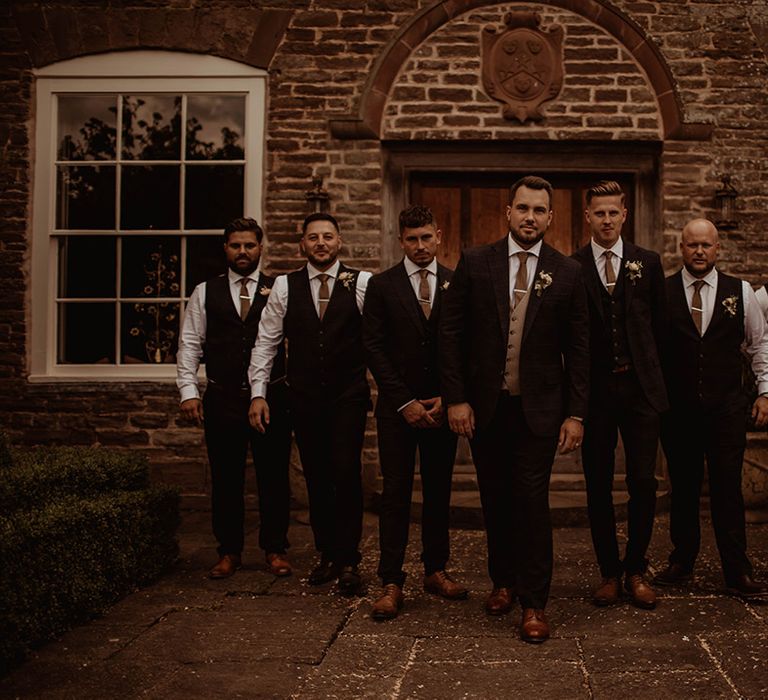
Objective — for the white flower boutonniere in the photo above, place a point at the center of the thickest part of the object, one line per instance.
(445, 285)
(731, 304)
(265, 291)
(634, 270)
(543, 280)
(347, 279)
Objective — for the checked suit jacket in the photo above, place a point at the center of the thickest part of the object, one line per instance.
(554, 354)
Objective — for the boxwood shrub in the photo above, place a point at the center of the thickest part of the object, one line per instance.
(79, 528)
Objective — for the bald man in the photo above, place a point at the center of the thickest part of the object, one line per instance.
(712, 318)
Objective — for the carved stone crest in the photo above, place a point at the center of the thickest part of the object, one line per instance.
(523, 66)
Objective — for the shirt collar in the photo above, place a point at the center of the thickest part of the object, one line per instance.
(710, 278)
(332, 271)
(617, 248)
(412, 268)
(234, 277)
(514, 247)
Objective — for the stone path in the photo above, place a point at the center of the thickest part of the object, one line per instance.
(255, 636)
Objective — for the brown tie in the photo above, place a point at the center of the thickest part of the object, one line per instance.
(521, 281)
(696, 307)
(610, 275)
(424, 292)
(324, 296)
(245, 298)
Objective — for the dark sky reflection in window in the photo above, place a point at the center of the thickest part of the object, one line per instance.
(151, 127)
(215, 127)
(87, 266)
(87, 127)
(86, 333)
(150, 197)
(85, 197)
(205, 259)
(214, 195)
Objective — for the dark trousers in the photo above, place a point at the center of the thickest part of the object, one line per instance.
(689, 438)
(330, 439)
(617, 403)
(513, 469)
(397, 451)
(228, 435)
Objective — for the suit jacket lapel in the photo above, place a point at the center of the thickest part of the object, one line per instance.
(545, 263)
(592, 279)
(442, 278)
(630, 253)
(404, 291)
(498, 262)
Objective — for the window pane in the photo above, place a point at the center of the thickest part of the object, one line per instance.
(150, 267)
(85, 197)
(151, 127)
(215, 127)
(214, 195)
(86, 333)
(87, 127)
(205, 259)
(87, 266)
(149, 333)
(149, 197)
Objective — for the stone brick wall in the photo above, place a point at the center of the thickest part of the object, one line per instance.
(319, 54)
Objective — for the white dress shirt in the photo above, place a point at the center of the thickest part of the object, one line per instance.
(514, 262)
(412, 270)
(762, 298)
(193, 330)
(271, 326)
(600, 260)
(755, 336)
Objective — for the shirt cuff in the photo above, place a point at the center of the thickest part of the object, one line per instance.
(578, 418)
(762, 388)
(259, 390)
(405, 404)
(189, 392)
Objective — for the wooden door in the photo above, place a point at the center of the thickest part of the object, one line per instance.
(469, 208)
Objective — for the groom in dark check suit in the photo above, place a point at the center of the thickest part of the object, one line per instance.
(627, 314)
(400, 320)
(514, 374)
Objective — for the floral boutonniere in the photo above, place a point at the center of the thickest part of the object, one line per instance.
(543, 280)
(731, 304)
(445, 285)
(265, 291)
(634, 270)
(347, 279)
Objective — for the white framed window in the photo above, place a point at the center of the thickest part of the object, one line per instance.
(141, 158)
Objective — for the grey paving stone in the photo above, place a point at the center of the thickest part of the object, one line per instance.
(664, 652)
(482, 650)
(742, 657)
(662, 684)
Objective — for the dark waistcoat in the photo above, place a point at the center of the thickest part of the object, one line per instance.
(325, 358)
(706, 370)
(229, 340)
(616, 351)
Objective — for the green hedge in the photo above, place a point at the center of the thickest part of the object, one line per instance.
(66, 553)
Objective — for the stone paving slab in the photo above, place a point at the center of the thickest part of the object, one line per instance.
(258, 636)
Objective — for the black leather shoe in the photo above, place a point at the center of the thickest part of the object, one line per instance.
(325, 571)
(349, 580)
(746, 588)
(673, 575)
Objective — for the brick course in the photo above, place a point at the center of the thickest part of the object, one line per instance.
(319, 54)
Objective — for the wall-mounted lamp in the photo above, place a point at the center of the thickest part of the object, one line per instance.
(725, 204)
(317, 197)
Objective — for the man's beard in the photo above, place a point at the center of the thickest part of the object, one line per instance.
(244, 271)
(318, 263)
(522, 241)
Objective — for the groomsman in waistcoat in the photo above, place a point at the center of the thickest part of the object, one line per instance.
(713, 317)
(625, 285)
(220, 323)
(318, 309)
(400, 319)
(514, 369)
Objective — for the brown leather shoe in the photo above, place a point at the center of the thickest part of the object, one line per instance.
(673, 575)
(534, 627)
(643, 596)
(746, 588)
(225, 567)
(440, 583)
(389, 604)
(499, 601)
(278, 564)
(608, 592)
